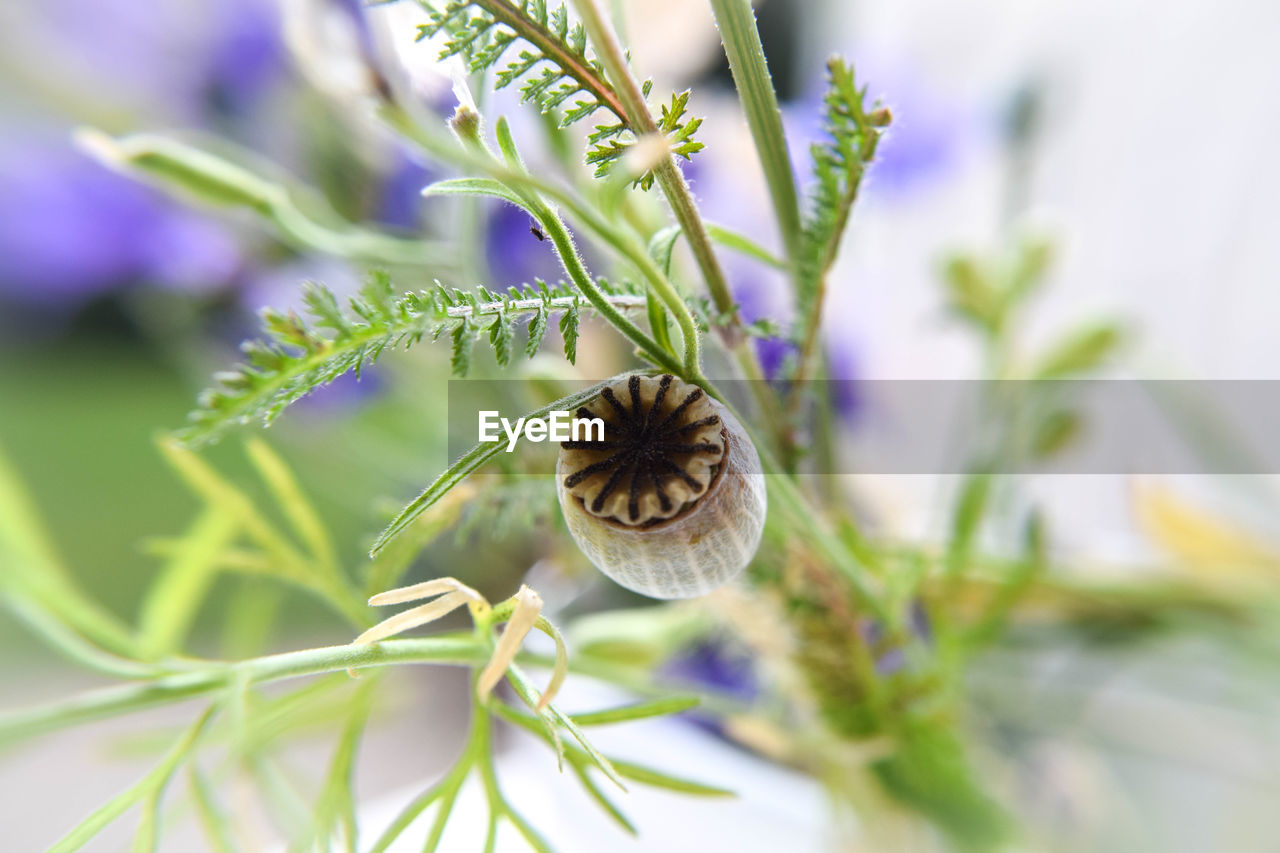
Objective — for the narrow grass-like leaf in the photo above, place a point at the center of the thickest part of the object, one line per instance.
(473, 187)
(525, 690)
(289, 812)
(218, 492)
(606, 804)
(70, 644)
(1079, 352)
(337, 801)
(299, 511)
(1032, 565)
(662, 245)
(175, 596)
(743, 244)
(658, 321)
(563, 721)
(410, 813)
(147, 786)
(659, 779)
(233, 181)
(214, 821)
(637, 711)
(32, 569)
(469, 462)
(971, 508)
(737, 24)
(442, 819)
(531, 835)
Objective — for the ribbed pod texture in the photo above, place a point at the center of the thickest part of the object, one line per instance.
(671, 503)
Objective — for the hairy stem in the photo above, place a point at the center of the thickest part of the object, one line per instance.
(760, 104)
(556, 231)
(676, 189)
(640, 120)
(551, 47)
(215, 675)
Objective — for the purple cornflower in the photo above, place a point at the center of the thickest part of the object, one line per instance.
(72, 230)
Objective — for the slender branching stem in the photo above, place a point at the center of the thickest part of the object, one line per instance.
(215, 675)
(514, 16)
(556, 231)
(670, 178)
(530, 189)
(741, 39)
(678, 195)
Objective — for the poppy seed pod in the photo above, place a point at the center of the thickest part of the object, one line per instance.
(670, 501)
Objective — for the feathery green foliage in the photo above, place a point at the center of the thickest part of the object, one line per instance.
(839, 164)
(556, 68)
(301, 355)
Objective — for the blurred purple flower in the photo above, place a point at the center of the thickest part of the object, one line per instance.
(844, 373)
(71, 229)
(754, 298)
(895, 659)
(344, 395)
(927, 141)
(773, 353)
(400, 202)
(514, 255)
(716, 667)
(247, 57)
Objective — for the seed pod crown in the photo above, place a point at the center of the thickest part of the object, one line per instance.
(670, 501)
(661, 452)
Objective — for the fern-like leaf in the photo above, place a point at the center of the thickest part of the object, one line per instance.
(569, 331)
(299, 355)
(839, 164)
(554, 69)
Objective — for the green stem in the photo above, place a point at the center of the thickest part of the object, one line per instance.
(676, 189)
(215, 675)
(147, 786)
(528, 188)
(555, 229)
(737, 23)
(641, 122)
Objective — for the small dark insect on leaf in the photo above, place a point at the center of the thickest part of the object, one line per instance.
(536, 231)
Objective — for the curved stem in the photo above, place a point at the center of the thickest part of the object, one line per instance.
(640, 120)
(555, 229)
(213, 675)
(553, 48)
(741, 38)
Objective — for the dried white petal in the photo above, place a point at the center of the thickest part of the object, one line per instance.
(413, 618)
(426, 589)
(528, 609)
